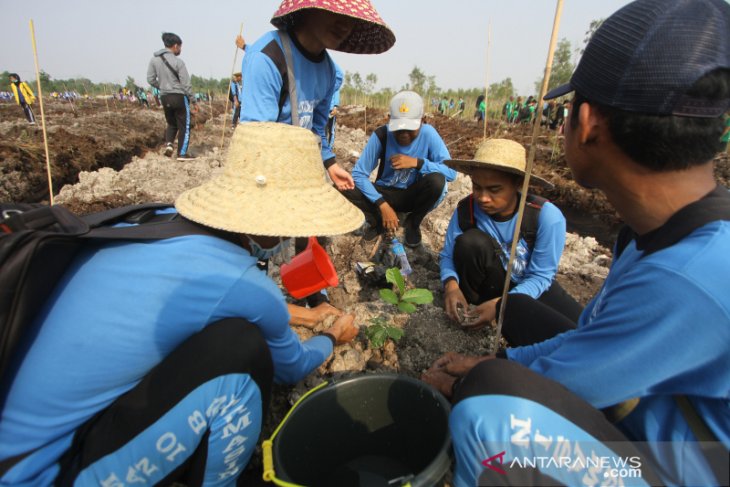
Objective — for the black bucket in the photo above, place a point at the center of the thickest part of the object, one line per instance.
(369, 431)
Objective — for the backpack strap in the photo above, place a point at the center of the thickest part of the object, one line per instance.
(465, 213)
(533, 206)
(382, 134)
(162, 57)
(286, 41)
(274, 52)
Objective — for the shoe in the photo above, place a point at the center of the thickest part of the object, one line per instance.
(31, 123)
(186, 157)
(413, 233)
(169, 150)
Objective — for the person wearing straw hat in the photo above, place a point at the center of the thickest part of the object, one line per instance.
(649, 361)
(479, 236)
(23, 96)
(411, 175)
(153, 361)
(307, 29)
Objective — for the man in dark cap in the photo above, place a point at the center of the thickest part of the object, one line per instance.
(641, 386)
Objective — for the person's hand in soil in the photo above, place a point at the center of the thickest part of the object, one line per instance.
(480, 316)
(439, 380)
(311, 317)
(455, 303)
(389, 217)
(342, 179)
(344, 329)
(456, 364)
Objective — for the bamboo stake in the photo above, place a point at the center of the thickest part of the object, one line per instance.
(528, 170)
(486, 81)
(210, 104)
(43, 117)
(225, 111)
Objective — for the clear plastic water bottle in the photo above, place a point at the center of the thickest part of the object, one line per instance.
(400, 254)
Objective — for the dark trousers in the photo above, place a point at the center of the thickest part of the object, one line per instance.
(177, 114)
(230, 346)
(418, 199)
(482, 275)
(28, 112)
(236, 114)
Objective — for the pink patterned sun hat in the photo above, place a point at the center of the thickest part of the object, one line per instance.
(369, 36)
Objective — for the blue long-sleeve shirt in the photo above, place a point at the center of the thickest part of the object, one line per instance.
(534, 270)
(262, 82)
(339, 78)
(428, 147)
(120, 309)
(660, 326)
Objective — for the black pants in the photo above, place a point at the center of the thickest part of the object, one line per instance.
(418, 199)
(236, 114)
(230, 346)
(177, 114)
(28, 112)
(482, 275)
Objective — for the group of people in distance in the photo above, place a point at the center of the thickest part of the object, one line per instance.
(155, 361)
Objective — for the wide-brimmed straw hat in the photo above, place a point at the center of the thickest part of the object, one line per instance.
(370, 35)
(500, 154)
(273, 184)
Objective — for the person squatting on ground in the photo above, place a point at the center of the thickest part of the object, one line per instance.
(411, 176)
(154, 360)
(479, 236)
(312, 27)
(235, 96)
(23, 96)
(652, 349)
(167, 72)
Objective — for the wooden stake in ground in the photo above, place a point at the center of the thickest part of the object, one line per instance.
(528, 169)
(486, 81)
(106, 100)
(225, 111)
(43, 116)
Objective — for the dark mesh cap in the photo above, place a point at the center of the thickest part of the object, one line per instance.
(646, 56)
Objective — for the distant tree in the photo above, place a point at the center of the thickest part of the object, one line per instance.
(562, 68)
(592, 28)
(46, 84)
(370, 81)
(418, 80)
(502, 90)
(4, 80)
(130, 84)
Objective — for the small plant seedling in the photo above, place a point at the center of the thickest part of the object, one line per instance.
(405, 299)
(380, 331)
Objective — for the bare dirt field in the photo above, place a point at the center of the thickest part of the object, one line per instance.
(104, 156)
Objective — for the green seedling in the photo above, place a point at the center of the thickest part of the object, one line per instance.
(406, 300)
(380, 331)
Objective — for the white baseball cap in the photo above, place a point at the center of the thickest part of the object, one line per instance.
(406, 111)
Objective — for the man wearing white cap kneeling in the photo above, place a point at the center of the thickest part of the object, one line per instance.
(154, 360)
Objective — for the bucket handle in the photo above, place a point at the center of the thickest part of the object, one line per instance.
(267, 446)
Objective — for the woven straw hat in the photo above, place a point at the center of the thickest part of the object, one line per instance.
(370, 35)
(273, 184)
(499, 154)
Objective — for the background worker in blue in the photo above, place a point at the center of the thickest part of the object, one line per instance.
(167, 72)
(477, 245)
(23, 96)
(411, 174)
(235, 96)
(331, 127)
(314, 26)
(153, 360)
(652, 349)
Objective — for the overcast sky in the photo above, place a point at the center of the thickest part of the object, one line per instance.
(106, 41)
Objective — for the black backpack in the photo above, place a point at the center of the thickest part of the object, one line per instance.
(528, 231)
(37, 244)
